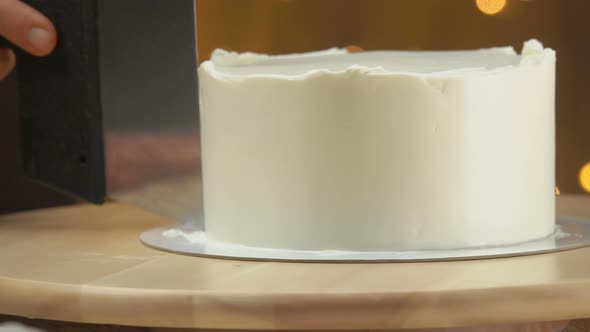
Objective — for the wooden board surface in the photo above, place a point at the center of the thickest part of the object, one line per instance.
(86, 264)
(19, 324)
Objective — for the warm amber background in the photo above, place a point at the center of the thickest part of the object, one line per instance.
(280, 26)
(276, 26)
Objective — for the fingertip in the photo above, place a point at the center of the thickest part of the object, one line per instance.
(42, 35)
(7, 63)
(42, 40)
(27, 28)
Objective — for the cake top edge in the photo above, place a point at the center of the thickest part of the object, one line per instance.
(227, 65)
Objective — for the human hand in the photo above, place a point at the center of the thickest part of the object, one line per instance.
(26, 28)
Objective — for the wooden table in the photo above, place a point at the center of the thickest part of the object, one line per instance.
(86, 264)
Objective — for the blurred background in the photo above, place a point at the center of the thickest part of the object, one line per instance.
(286, 26)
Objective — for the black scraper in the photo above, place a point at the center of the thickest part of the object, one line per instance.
(60, 114)
(121, 69)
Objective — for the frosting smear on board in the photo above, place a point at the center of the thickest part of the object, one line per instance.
(384, 150)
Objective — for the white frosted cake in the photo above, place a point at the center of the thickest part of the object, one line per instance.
(387, 150)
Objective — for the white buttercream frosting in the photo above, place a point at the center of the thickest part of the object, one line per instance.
(383, 150)
(237, 66)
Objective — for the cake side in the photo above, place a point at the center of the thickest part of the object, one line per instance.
(369, 159)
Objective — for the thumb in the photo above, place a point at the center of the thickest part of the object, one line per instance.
(26, 27)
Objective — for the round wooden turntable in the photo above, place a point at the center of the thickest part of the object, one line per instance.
(86, 264)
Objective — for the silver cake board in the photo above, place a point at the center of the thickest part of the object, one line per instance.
(571, 233)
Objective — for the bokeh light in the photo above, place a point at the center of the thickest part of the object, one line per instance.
(584, 177)
(490, 7)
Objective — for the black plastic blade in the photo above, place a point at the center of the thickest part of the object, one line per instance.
(61, 134)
